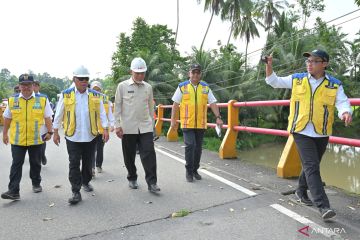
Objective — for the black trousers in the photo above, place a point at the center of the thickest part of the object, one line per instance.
(193, 139)
(147, 155)
(80, 151)
(311, 151)
(43, 148)
(18, 155)
(98, 157)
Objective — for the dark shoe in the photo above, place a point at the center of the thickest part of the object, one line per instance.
(327, 213)
(303, 199)
(10, 195)
(37, 188)
(44, 160)
(133, 184)
(88, 187)
(197, 176)
(189, 177)
(154, 188)
(76, 198)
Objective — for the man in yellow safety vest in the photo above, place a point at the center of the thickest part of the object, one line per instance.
(192, 97)
(25, 114)
(80, 110)
(314, 96)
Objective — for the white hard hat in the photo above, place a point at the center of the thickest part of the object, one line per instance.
(95, 84)
(81, 72)
(138, 65)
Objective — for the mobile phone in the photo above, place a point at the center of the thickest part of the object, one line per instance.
(43, 137)
(264, 59)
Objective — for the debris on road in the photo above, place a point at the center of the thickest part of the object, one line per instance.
(181, 213)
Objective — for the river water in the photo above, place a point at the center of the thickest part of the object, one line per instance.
(340, 165)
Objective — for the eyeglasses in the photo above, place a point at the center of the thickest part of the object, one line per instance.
(314, 62)
(81, 79)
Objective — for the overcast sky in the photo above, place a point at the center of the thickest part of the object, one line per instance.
(57, 36)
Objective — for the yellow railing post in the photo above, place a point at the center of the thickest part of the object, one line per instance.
(159, 122)
(172, 134)
(228, 146)
(289, 164)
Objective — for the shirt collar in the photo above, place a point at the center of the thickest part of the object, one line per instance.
(22, 96)
(131, 82)
(77, 91)
(322, 78)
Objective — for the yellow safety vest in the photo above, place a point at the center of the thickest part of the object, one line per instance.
(106, 106)
(193, 106)
(69, 119)
(317, 108)
(27, 119)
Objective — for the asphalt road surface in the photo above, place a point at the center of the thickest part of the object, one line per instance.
(234, 200)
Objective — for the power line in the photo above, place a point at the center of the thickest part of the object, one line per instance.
(286, 40)
(279, 42)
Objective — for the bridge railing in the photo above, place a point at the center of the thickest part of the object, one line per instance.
(289, 164)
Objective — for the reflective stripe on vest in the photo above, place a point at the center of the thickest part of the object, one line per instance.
(69, 119)
(27, 119)
(193, 106)
(317, 108)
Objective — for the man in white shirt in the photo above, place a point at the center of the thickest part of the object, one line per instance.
(134, 112)
(315, 94)
(43, 129)
(81, 111)
(192, 97)
(98, 157)
(24, 115)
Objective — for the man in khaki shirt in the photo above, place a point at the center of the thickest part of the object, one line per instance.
(134, 124)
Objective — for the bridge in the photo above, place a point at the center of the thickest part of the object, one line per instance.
(234, 200)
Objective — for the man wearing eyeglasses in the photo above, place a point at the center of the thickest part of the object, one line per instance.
(192, 97)
(314, 96)
(81, 110)
(24, 116)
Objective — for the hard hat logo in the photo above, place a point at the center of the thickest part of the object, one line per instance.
(81, 72)
(138, 65)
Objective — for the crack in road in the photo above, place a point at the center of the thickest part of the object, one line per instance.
(157, 219)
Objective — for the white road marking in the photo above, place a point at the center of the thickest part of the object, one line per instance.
(316, 227)
(210, 174)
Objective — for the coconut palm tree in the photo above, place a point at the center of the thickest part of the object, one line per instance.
(232, 11)
(215, 7)
(177, 19)
(246, 28)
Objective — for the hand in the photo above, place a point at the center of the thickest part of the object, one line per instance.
(47, 137)
(347, 118)
(219, 122)
(119, 132)
(56, 138)
(5, 139)
(269, 60)
(105, 136)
